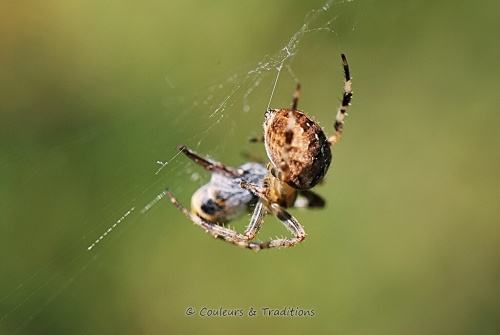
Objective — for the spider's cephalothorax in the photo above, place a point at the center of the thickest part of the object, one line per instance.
(299, 154)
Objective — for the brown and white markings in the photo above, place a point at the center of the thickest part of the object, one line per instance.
(299, 154)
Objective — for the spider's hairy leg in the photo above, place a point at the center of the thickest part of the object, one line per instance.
(212, 166)
(260, 191)
(224, 233)
(290, 223)
(346, 101)
(256, 221)
(211, 228)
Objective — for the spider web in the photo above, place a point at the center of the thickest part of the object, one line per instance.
(233, 107)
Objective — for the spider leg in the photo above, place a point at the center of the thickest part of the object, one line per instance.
(258, 139)
(255, 189)
(211, 228)
(226, 234)
(256, 221)
(244, 241)
(346, 100)
(290, 223)
(212, 166)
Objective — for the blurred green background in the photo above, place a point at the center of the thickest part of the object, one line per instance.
(94, 93)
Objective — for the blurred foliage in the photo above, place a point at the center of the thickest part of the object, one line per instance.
(93, 93)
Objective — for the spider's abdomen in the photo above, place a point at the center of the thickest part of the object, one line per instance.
(308, 157)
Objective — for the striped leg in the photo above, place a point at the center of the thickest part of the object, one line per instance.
(245, 240)
(346, 101)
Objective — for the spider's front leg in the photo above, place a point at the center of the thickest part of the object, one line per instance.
(212, 166)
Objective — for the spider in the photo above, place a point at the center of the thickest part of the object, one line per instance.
(299, 154)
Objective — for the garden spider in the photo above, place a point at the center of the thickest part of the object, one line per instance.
(299, 154)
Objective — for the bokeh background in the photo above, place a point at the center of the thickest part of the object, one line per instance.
(93, 94)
